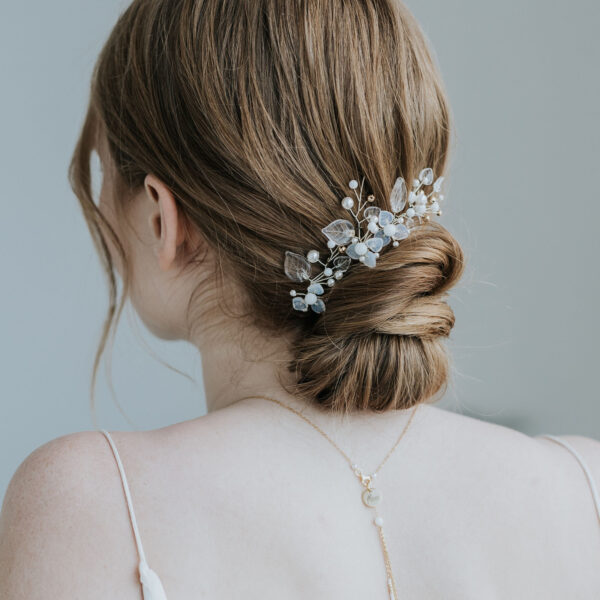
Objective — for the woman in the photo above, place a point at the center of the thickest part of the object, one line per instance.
(253, 155)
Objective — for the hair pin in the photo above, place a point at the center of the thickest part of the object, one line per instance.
(348, 242)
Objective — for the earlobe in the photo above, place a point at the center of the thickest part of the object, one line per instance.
(166, 224)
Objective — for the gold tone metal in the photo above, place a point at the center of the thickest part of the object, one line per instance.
(365, 480)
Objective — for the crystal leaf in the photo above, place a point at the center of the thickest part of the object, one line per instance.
(297, 268)
(384, 238)
(315, 288)
(372, 211)
(398, 195)
(299, 304)
(342, 263)
(426, 176)
(437, 186)
(385, 217)
(340, 231)
(318, 306)
(401, 232)
(375, 244)
(351, 252)
(370, 259)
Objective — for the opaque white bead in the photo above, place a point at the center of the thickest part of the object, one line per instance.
(347, 203)
(310, 298)
(353, 184)
(327, 272)
(312, 256)
(389, 229)
(361, 248)
(331, 244)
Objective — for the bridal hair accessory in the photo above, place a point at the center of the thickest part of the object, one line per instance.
(347, 244)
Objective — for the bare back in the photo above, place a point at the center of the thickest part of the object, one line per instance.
(252, 502)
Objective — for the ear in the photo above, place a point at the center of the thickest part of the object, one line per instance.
(165, 221)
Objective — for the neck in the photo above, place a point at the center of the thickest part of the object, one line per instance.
(239, 362)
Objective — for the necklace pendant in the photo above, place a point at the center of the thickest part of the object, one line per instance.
(371, 497)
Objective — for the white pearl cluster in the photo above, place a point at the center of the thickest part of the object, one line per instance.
(346, 242)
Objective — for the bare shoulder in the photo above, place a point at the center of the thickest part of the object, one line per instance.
(62, 522)
(588, 450)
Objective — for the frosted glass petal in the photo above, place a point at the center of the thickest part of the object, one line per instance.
(370, 259)
(384, 238)
(375, 244)
(398, 195)
(318, 306)
(385, 218)
(299, 304)
(339, 231)
(342, 262)
(297, 268)
(315, 288)
(351, 252)
(437, 186)
(426, 176)
(372, 211)
(401, 232)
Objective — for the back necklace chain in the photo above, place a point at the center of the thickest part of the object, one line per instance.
(371, 496)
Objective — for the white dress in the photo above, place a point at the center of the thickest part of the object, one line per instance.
(152, 587)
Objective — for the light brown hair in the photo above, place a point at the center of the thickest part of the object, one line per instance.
(256, 114)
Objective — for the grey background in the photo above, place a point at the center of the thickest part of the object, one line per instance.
(522, 199)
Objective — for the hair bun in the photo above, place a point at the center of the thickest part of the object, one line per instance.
(378, 345)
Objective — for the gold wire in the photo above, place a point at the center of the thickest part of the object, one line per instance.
(386, 556)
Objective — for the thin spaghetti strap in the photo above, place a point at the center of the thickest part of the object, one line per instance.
(584, 466)
(152, 587)
(134, 525)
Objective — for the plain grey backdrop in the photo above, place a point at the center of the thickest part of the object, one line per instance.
(524, 82)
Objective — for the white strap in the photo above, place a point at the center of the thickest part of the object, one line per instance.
(136, 532)
(585, 468)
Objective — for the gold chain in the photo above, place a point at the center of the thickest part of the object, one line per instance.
(370, 496)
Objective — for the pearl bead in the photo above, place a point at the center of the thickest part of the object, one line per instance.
(396, 244)
(292, 292)
(378, 521)
(376, 254)
(310, 298)
(435, 207)
(327, 272)
(353, 184)
(354, 240)
(416, 183)
(361, 258)
(347, 203)
(373, 227)
(421, 209)
(389, 229)
(338, 274)
(330, 282)
(331, 244)
(361, 248)
(312, 256)
(410, 212)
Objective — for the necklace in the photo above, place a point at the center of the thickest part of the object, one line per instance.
(371, 496)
